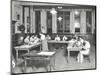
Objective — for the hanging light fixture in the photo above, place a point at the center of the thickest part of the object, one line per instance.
(59, 7)
(59, 18)
(76, 12)
(77, 25)
(53, 11)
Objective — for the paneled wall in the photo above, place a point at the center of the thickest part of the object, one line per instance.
(17, 15)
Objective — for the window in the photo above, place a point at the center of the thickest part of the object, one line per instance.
(63, 21)
(18, 17)
(27, 19)
(88, 21)
(37, 21)
(67, 22)
(77, 22)
(49, 22)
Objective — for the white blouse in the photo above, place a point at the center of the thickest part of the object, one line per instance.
(64, 38)
(27, 40)
(57, 38)
(42, 36)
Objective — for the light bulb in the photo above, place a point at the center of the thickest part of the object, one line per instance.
(77, 25)
(53, 11)
(76, 12)
(59, 18)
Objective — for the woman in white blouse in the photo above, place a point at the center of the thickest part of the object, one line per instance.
(57, 38)
(36, 39)
(64, 38)
(27, 40)
(85, 51)
(48, 37)
(32, 38)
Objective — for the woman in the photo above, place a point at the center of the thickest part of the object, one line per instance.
(72, 42)
(57, 38)
(85, 51)
(27, 40)
(36, 39)
(64, 38)
(48, 37)
(32, 38)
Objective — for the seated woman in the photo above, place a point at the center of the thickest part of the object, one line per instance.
(27, 40)
(48, 37)
(36, 39)
(64, 38)
(79, 42)
(20, 40)
(85, 51)
(32, 38)
(72, 42)
(57, 38)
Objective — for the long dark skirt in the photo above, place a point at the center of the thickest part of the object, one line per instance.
(44, 45)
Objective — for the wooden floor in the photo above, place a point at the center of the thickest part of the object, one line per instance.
(61, 63)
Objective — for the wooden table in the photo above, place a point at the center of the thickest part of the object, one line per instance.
(46, 56)
(26, 47)
(70, 48)
(54, 41)
(58, 42)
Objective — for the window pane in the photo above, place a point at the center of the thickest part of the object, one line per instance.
(67, 22)
(63, 21)
(37, 23)
(77, 21)
(49, 22)
(88, 21)
(18, 17)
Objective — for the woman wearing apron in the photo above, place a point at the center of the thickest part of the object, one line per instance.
(44, 42)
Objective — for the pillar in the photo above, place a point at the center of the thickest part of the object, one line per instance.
(43, 21)
(54, 23)
(21, 14)
(83, 22)
(32, 20)
(26, 15)
(93, 21)
(72, 27)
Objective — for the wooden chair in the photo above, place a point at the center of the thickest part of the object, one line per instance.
(87, 57)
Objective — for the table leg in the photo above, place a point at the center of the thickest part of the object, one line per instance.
(68, 55)
(54, 63)
(16, 56)
(40, 48)
(48, 68)
(49, 65)
(25, 64)
(28, 51)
